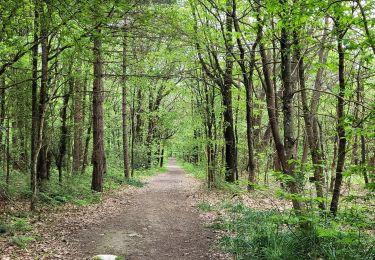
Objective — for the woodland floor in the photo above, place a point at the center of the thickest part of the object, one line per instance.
(159, 221)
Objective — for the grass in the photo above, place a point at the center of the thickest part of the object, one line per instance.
(22, 241)
(205, 206)
(253, 234)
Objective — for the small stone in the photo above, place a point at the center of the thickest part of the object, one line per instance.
(104, 257)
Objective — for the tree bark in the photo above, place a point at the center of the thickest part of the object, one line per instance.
(34, 109)
(125, 145)
(42, 165)
(98, 157)
(63, 135)
(78, 126)
(226, 93)
(341, 150)
(282, 154)
(248, 82)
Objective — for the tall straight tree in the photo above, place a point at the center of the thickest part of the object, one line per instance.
(125, 145)
(226, 92)
(34, 107)
(98, 157)
(78, 124)
(340, 30)
(247, 75)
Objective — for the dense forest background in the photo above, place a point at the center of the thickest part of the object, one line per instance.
(274, 95)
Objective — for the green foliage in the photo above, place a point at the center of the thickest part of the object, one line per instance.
(135, 182)
(197, 171)
(21, 225)
(22, 241)
(205, 206)
(278, 235)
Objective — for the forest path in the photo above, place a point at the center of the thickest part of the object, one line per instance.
(160, 223)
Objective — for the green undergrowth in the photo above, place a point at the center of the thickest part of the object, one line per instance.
(274, 234)
(197, 171)
(75, 188)
(18, 229)
(254, 234)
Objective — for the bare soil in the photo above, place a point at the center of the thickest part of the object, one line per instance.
(160, 222)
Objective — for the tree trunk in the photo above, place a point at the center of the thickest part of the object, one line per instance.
(226, 93)
(42, 165)
(341, 151)
(138, 136)
(34, 109)
(125, 145)
(78, 126)
(283, 156)
(312, 139)
(63, 135)
(2, 115)
(98, 159)
(133, 129)
(248, 82)
(8, 153)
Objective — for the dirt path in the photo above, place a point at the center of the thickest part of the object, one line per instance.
(160, 223)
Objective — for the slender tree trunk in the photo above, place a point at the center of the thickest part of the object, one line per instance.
(63, 135)
(226, 93)
(2, 115)
(209, 135)
(133, 137)
(312, 139)
(86, 150)
(341, 151)
(149, 141)
(161, 156)
(34, 109)
(370, 37)
(125, 145)
(86, 110)
(8, 153)
(42, 165)
(98, 157)
(360, 94)
(78, 126)
(139, 122)
(248, 82)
